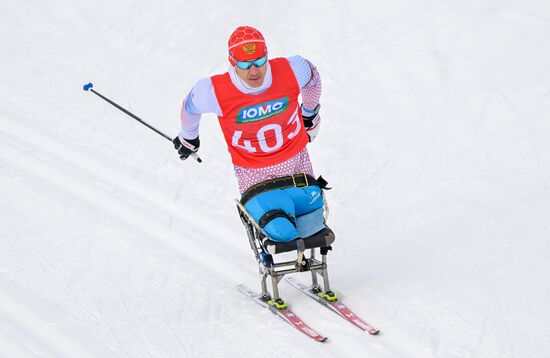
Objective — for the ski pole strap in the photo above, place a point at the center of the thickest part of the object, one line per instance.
(298, 180)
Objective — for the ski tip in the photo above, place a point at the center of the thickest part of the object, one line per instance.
(373, 331)
(88, 86)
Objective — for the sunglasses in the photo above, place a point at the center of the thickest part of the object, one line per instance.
(245, 65)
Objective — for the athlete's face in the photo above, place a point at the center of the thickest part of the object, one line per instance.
(254, 76)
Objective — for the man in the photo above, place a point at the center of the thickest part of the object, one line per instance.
(266, 131)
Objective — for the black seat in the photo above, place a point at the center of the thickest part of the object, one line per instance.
(323, 238)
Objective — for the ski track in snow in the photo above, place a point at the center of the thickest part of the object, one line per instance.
(50, 164)
(435, 139)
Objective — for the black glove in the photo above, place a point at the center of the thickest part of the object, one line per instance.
(312, 121)
(186, 146)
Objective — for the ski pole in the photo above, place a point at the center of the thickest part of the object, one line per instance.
(89, 87)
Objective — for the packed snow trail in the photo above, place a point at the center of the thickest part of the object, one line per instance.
(52, 168)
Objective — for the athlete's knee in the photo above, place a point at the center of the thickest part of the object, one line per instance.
(279, 225)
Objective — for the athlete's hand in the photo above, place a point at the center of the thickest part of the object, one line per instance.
(312, 121)
(186, 147)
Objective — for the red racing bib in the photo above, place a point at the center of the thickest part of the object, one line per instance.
(265, 129)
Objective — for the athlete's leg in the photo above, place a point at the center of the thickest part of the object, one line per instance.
(309, 211)
(274, 203)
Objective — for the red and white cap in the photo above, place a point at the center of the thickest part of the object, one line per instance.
(245, 44)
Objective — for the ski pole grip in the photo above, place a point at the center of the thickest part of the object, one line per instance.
(88, 86)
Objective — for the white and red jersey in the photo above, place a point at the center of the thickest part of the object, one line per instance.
(262, 126)
(263, 129)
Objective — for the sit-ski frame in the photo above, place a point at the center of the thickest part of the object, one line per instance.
(278, 270)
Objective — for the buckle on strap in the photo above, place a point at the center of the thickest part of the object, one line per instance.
(297, 183)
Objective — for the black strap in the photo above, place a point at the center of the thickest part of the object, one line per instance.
(298, 180)
(322, 183)
(272, 215)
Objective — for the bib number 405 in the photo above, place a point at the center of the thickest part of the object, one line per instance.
(273, 131)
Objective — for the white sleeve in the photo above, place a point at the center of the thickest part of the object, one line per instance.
(309, 81)
(201, 99)
(302, 69)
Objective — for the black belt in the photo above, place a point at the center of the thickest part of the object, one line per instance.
(298, 180)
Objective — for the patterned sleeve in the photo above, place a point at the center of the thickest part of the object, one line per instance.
(308, 79)
(201, 99)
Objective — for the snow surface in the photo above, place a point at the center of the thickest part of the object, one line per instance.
(435, 137)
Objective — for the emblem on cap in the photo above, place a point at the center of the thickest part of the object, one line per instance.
(249, 48)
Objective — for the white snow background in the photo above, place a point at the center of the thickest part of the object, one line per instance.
(435, 137)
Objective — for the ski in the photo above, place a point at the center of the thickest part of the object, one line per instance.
(336, 306)
(285, 314)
